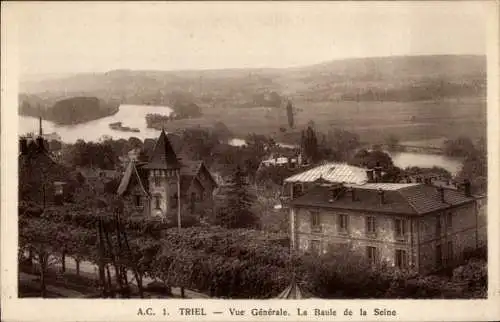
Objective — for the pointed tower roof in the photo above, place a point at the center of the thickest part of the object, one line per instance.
(163, 156)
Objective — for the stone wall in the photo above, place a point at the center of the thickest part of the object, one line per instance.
(419, 241)
(454, 240)
(356, 237)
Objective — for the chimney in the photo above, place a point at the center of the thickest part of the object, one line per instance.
(39, 139)
(467, 188)
(441, 194)
(40, 131)
(369, 174)
(23, 145)
(381, 196)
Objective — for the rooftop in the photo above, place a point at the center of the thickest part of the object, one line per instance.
(333, 172)
(163, 156)
(406, 199)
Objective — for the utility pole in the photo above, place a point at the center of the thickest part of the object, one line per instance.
(178, 200)
(101, 259)
(178, 172)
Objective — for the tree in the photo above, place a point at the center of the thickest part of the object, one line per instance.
(309, 145)
(342, 142)
(372, 159)
(289, 111)
(475, 168)
(222, 131)
(134, 143)
(460, 147)
(199, 143)
(237, 213)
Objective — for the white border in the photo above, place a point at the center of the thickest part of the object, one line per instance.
(14, 309)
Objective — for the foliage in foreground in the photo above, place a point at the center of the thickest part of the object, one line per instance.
(236, 263)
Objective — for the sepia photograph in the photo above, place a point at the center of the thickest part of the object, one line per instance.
(251, 151)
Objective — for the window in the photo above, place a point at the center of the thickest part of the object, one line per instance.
(439, 256)
(438, 225)
(137, 201)
(315, 247)
(400, 228)
(157, 202)
(401, 259)
(450, 251)
(157, 180)
(315, 221)
(449, 220)
(297, 190)
(371, 255)
(343, 223)
(370, 225)
(173, 201)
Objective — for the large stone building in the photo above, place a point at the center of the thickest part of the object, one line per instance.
(157, 187)
(408, 225)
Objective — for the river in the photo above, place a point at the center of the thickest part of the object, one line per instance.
(134, 116)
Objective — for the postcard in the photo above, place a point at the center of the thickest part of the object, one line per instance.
(250, 161)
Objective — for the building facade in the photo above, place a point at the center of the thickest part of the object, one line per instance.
(406, 225)
(166, 182)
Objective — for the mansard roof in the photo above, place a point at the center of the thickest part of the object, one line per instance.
(404, 199)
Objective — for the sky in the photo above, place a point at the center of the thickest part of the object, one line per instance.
(66, 37)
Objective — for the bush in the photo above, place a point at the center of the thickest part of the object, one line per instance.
(474, 273)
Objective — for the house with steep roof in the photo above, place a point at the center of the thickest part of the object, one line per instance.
(41, 178)
(414, 226)
(167, 181)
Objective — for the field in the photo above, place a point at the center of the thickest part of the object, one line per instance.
(373, 121)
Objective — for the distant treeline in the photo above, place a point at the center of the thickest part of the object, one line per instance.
(69, 111)
(421, 92)
(271, 99)
(181, 110)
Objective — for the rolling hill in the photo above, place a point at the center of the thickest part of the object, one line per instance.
(395, 79)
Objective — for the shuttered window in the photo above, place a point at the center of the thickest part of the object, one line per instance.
(343, 223)
(370, 225)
